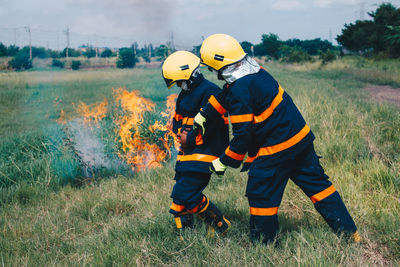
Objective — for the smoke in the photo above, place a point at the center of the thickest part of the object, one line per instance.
(91, 150)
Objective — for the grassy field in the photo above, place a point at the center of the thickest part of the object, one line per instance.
(46, 219)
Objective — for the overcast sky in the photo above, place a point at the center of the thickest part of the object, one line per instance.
(116, 23)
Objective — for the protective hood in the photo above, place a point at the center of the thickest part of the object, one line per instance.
(233, 72)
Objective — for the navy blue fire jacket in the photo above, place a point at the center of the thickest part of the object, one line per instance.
(201, 150)
(266, 123)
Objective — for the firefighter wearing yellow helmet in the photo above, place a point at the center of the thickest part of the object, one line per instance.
(197, 151)
(268, 127)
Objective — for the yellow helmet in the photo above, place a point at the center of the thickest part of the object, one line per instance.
(179, 66)
(220, 50)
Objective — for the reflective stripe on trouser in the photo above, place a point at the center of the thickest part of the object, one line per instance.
(265, 189)
(187, 193)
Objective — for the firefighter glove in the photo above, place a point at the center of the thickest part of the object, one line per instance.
(218, 167)
(198, 124)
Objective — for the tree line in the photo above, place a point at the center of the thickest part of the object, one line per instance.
(379, 35)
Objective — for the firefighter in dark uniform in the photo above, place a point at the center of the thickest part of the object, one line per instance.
(268, 127)
(197, 151)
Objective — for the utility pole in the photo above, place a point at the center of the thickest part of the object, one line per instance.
(95, 45)
(172, 41)
(67, 34)
(330, 36)
(15, 36)
(28, 30)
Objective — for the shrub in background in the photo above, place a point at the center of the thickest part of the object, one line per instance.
(57, 63)
(327, 56)
(106, 53)
(21, 61)
(90, 52)
(295, 55)
(126, 58)
(75, 64)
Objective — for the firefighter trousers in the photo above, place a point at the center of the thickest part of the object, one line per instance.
(265, 189)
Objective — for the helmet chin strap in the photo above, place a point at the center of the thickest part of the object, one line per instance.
(186, 85)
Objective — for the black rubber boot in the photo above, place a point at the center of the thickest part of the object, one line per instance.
(214, 218)
(183, 222)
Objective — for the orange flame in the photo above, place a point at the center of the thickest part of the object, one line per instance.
(62, 119)
(94, 112)
(138, 149)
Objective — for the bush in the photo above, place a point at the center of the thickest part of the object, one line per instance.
(90, 52)
(57, 63)
(126, 58)
(327, 56)
(146, 59)
(106, 53)
(21, 61)
(75, 65)
(295, 55)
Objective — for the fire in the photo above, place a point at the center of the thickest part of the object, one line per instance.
(61, 119)
(142, 144)
(135, 147)
(94, 112)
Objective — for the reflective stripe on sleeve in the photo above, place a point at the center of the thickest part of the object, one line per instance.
(264, 211)
(187, 121)
(196, 157)
(234, 155)
(216, 105)
(323, 194)
(178, 117)
(241, 118)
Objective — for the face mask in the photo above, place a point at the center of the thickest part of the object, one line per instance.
(184, 86)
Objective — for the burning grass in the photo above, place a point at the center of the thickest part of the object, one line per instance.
(139, 141)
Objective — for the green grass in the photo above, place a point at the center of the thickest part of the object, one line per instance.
(124, 220)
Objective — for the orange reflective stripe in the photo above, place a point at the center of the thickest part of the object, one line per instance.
(323, 194)
(234, 155)
(187, 121)
(269, 150)
(177, 117)
(241, 118)
(177, 207)
(264, 211)
(196, 209)
(265, 151)
(265, 115)
(199, 139)
(214, 102)
(226, 120)
(250, 159)
(196, 157)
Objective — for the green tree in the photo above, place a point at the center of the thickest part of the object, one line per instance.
(90, 52)
(3, 50)
(106, 53)
(377, 35)
(21, 61)
(271, 43)
(247, 47)
(12, 50)
(126, 58)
